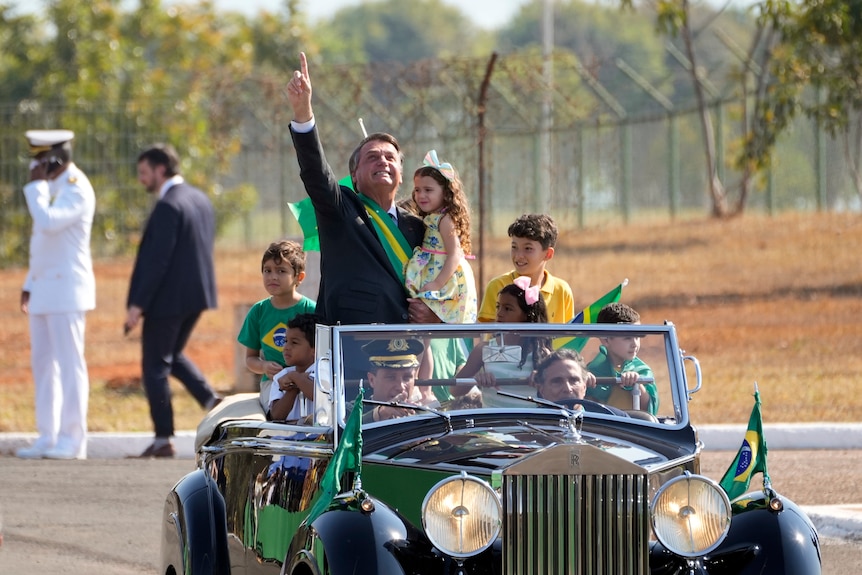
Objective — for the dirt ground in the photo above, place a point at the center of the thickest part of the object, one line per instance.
(772, 300)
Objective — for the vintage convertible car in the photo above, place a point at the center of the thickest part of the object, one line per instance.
(469, 479)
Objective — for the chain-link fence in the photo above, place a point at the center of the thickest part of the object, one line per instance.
(566, 148)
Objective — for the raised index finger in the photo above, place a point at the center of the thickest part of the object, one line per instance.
(303, 66)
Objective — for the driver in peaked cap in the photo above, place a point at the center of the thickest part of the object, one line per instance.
(391, 376)
(59, 290)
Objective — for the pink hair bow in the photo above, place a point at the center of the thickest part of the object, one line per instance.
(444, 168)
(531, 293)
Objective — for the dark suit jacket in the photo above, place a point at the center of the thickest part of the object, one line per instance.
(357, 282)
(174, 273)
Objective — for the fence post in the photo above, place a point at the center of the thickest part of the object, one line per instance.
(582, 180)
(626, 153)
(673, 165)
(820, 158)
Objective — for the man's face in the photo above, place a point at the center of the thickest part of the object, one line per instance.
(150, 177)
(563, 379)
(392, 384)
(378, 171)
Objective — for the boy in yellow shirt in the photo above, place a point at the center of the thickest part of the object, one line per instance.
(533, 239)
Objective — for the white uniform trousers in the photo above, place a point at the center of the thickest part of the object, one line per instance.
(62, 383)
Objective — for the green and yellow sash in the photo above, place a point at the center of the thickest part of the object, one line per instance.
(393, 241)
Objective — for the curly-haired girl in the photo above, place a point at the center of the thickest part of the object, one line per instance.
(438, 272)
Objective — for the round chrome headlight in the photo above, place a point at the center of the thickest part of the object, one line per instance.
(691, 515)
(462, 515)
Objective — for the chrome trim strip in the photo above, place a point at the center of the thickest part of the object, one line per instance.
(263, 446)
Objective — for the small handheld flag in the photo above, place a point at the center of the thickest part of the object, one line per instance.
(347, 457)
(751, 457)
(588, 315)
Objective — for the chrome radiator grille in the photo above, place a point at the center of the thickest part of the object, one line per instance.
(575, 524)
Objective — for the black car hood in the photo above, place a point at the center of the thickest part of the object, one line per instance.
(499, 445)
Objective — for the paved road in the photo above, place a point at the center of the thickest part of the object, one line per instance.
(103, 516)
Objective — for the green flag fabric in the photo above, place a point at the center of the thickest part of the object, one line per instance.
(751, 458)
(347, 457)
(588, 315)
(303, 211)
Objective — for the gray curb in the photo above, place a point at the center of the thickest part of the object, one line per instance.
(836, 521)
(108, 445)
(722, 437)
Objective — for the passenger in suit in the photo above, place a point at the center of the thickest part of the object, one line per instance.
(365, 238)
(173, 282)
(59, 290)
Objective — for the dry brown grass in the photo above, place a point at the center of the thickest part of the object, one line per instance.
(772, 300)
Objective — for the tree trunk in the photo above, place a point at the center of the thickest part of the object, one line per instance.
(716, 188)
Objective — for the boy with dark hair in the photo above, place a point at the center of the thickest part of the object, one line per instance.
(617, 357)
(265, 326)
(292, 393)
(533, 239)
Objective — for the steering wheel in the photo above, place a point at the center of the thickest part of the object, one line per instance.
(591, 406)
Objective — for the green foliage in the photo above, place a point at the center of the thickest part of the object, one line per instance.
(231, 203)
(822, 48)
(21, 61)
(600, 38)
(126, 79)
(15, 231)
(278, 38)
(395, 30)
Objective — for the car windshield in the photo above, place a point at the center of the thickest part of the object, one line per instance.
(633, 371)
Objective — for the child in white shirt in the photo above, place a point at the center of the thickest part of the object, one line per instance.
(291, 396)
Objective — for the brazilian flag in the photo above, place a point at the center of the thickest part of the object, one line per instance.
(751, 458)
(347, 457)
(588, 315)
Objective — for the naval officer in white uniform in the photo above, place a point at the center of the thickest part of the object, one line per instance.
(59, 290)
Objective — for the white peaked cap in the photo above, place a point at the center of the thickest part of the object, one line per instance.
(44, 140)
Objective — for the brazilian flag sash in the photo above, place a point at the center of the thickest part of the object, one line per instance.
(394, 243)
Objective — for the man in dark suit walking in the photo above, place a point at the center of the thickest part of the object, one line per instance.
(365, 239)
(173, 282)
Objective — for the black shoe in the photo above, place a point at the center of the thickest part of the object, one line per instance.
(165, 450)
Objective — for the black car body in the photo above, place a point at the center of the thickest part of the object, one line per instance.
(525, 488)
